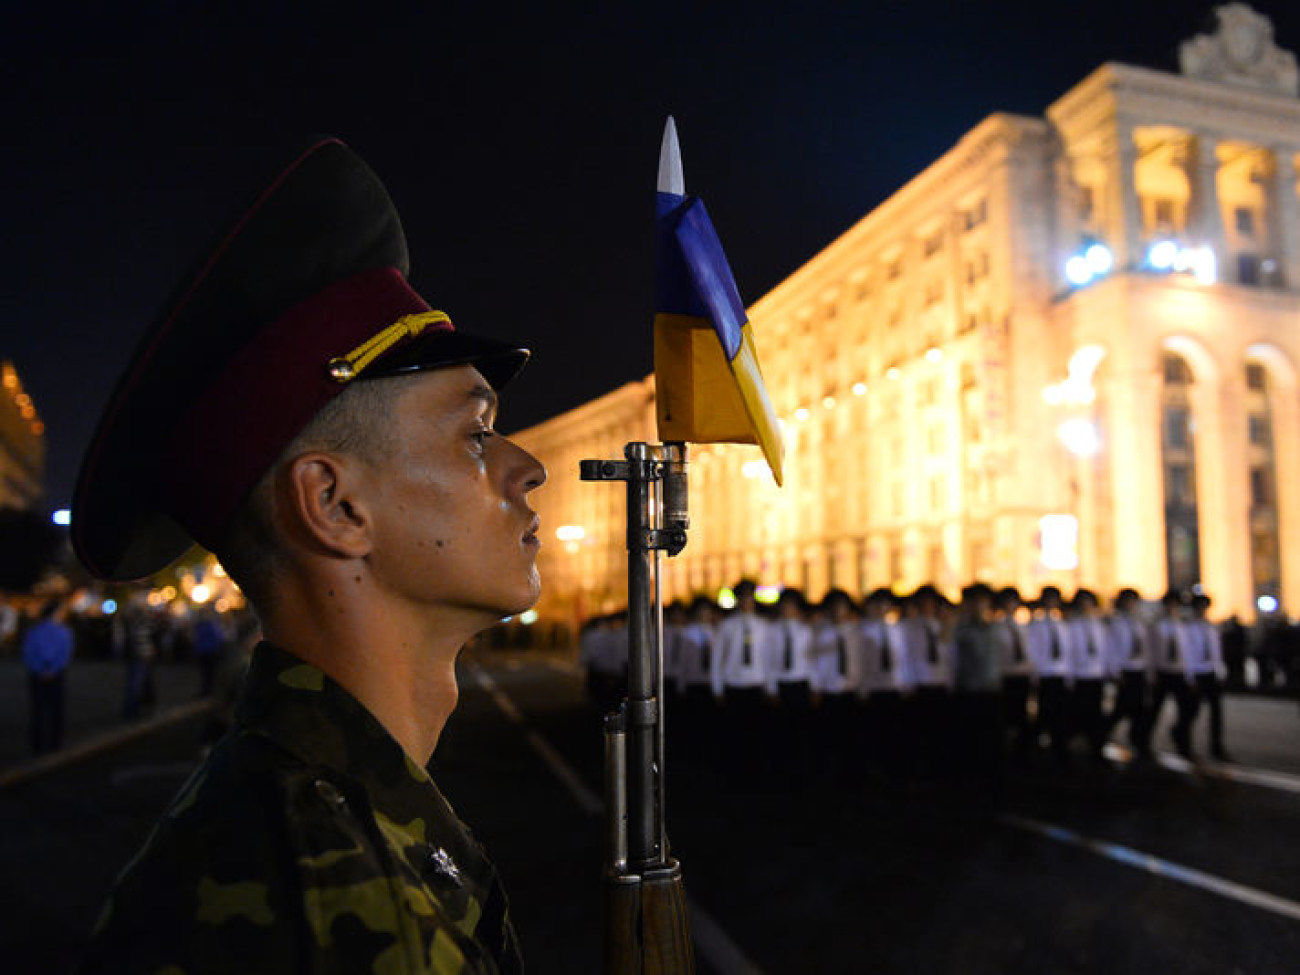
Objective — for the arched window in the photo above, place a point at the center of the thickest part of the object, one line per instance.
(1265, 551)
(1178, 460)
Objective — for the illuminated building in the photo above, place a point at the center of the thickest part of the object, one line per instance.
(22, 444)
(1065, 353)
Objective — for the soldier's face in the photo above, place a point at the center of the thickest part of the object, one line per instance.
(453, 528)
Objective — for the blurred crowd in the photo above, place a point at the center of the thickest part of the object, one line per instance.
(50, 636)
(917, 685)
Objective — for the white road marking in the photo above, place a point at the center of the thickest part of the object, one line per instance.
(1282, 781)
(722, 954)
(1160, 867)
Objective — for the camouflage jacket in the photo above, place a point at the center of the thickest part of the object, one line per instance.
(306, 842)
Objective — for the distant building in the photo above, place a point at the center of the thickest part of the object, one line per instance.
(1066, 352)
(22, 444)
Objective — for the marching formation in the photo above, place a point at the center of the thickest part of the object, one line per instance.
(919, 686)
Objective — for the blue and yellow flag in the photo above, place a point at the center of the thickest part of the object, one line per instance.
(708, 385)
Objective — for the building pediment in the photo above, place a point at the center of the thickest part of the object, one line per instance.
(1241, 52)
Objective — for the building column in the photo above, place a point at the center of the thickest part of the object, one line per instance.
(1284, 213)
(1206, 223)
(1223, 490)
(844, 552)
(1133, 417)
(1123, 208)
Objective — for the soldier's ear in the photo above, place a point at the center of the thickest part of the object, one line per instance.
(324, 507)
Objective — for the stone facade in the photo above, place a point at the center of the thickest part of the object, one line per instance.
(22, 444)
(962, 402)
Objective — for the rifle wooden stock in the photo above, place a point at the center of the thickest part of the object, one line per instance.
(648, 929)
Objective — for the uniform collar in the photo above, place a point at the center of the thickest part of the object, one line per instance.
(303, 710)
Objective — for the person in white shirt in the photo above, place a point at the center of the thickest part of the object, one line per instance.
(741, 651)
(1205, 649)
(837, 646)
(1012, 641)
(603, 653)
(675, 620)
(885, 678)
(790, 675)
(790, 671)
(692, 671)
(1050, 647)
(1173, 675)
(929, 653)
(1131, 666)
(1090, 655)
(977, 694)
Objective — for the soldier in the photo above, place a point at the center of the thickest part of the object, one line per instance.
(1051, 646)
(838, 649)
(300, 410)
(741, 651)
(885, 679)
(694, 673)
(1207, 669)
(790, 681)
(1090, 656)
(675, 620)
(602, 650)
(977, 688)
(929, 652)
(1131, 667)
(1173, 674)
(1017, 669)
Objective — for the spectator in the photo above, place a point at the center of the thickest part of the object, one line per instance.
(47, 651)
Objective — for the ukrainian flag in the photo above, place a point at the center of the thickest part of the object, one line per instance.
(708, 384)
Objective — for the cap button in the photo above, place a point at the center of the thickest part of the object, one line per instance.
(341, 371)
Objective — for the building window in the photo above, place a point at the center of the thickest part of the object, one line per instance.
(1177, 372)
(1177, 427)
(1260, 430)
(1245, 220)
(1261, 487)
(933, 293)
(1248, 269)
(1087, 205)
(1163, 212)
(977, 267)
(933, 244)
(976, 215)
(1178, 485)
(1265, 542)
(936, 493)
(1178, 460)
(893, 269)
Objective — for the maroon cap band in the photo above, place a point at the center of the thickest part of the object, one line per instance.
(269, 391)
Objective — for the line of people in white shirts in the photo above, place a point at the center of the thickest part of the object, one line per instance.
(1040, 669)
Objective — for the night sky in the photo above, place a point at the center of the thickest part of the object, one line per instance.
(520, 147)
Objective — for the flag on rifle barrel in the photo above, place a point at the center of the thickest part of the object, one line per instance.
(708, 385)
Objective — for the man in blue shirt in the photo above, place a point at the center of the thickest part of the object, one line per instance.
(47, 650)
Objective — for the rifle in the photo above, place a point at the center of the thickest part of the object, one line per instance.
(647, 925)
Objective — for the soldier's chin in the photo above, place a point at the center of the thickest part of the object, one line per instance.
(526, 600)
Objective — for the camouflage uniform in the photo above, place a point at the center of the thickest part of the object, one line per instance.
(307, 842)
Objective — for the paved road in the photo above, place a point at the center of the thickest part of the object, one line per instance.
(1117, 869)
